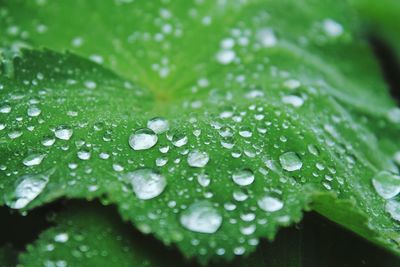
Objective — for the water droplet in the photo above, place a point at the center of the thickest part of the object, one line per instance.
(332, 28)
(158, 125)
(393, 208)
(6, 108)
(33, 111)
(293, 100)
(245, 132)
(203, 179)
(290, 161)
(267, 37)
(313, 150)
(61, 238)
(243, 177)
(84, 154)
(201, 217)
(179, 139)
(147, 183)
(143, 139)
(28, 187)
(48, 141)
(270, 204)
(33, 159)
(226, 56)
(386, 184)
(63, 132)
(198, 159)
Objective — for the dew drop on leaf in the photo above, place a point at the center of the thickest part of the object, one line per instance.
(143, 139)
(201, 217)
(28, 187)
(33, 159)
(243, 177)
(63, 132)
(33, 111)
(198, 159)
(386, 184)
(393, 208)
(146, 183)
(290, 161)
(158, 125)
(269, 203)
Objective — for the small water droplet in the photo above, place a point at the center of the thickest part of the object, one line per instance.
(33, 111)
(6, 108)
(84, 154)
(270, 204)
(143, 139)
(61, 238)
(146, 183)
(267, 37)
(393, 208)
(290, 161)
(198, 159)
(63, 132)
(201, 217)
(386, 184)
(226, 56)
(293, 100)
(33, 159)
(243, 177)
(158, 125)
(203, 179)
(179, 139)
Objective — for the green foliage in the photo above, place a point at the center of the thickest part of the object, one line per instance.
(260, 115)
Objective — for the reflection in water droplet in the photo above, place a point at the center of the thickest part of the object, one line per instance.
(243, 177)
(386, 184)
(146, 183)
(290, 161)
(201, 217)
(143, 139)
(270, 204)
(198, 159)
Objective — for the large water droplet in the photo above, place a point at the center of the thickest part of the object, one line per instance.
(201, 217)
(158, 125)
(290, 161)
(147, 183)
(269, 203)
(33, 159)
(143, 139)
(243, 177)
(198, 159)
(28, 187)
(386, 184)
(63, 132)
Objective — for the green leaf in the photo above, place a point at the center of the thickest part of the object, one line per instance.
(88, 236)
(258, 130)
